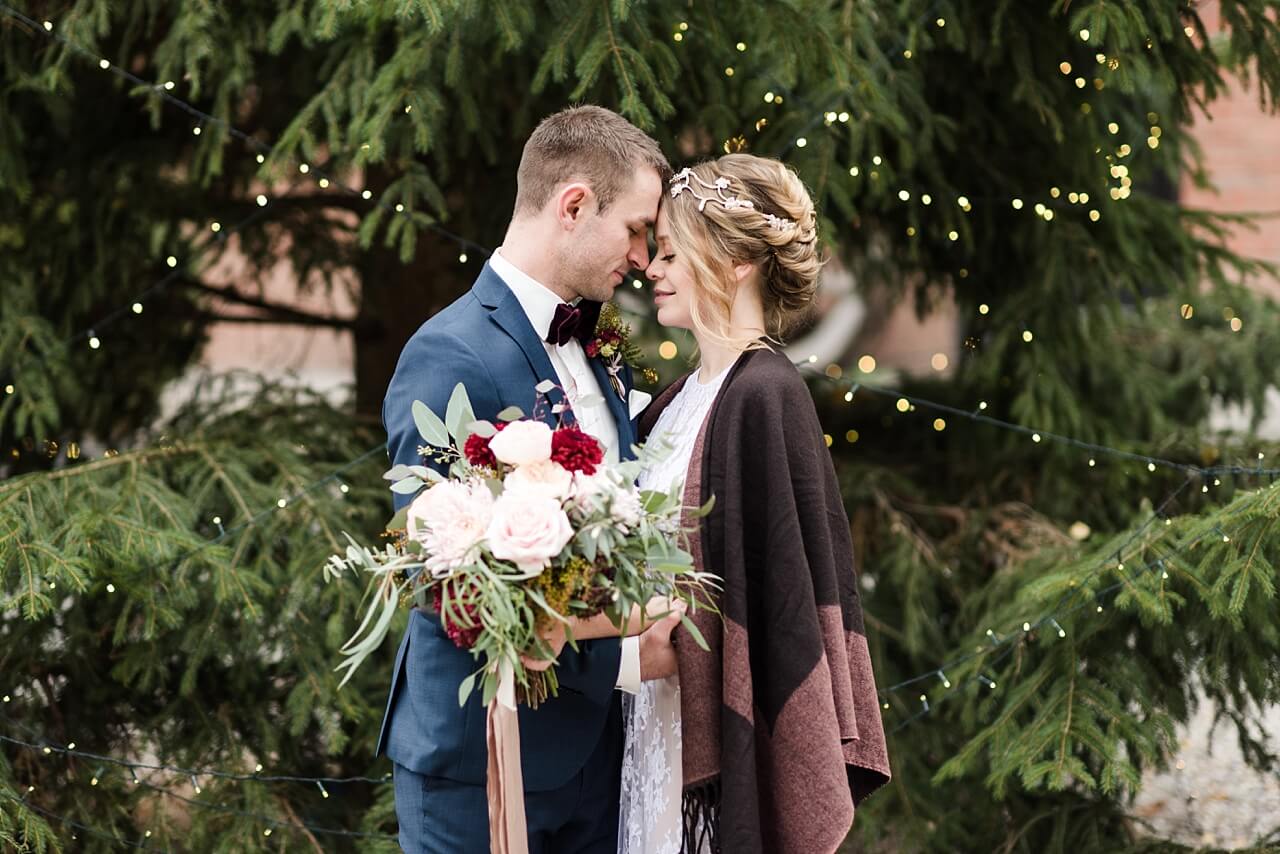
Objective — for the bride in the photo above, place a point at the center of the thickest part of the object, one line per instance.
(768, 741)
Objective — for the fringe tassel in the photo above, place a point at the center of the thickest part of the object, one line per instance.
(700, 807)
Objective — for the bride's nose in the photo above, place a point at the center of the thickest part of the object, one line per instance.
(654, 271)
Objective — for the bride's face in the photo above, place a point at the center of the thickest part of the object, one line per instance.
(671, 277)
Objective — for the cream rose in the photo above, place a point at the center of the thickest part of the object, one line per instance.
(522, 442)
(547, 478)
(528, 529)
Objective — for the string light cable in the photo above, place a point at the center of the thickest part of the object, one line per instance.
(272, 822)
(1027, 628)
(1007, 640)
(83, 828)
(163, 91)
(263, 150)
(50, 746)
(906, 401)
(1006, 648)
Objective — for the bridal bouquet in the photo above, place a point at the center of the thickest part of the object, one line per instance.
(527, 529)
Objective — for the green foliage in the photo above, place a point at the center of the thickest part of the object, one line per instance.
(129, 633)
(213, 657)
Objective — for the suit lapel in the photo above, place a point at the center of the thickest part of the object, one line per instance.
(505, 311)
(618, 406)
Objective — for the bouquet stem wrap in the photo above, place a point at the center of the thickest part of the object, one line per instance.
(508, 831)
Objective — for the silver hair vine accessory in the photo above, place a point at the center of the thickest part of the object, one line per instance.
(681, 181)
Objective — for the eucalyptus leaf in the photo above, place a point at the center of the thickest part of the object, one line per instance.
(429, 425)
(650, 501)
(372, 641)
(464, 690)
(459, 415)
(408, 486)
(483, 429)
(588, 542)
(511, 413)
(544, 386)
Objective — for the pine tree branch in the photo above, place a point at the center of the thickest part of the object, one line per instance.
(213, 317)
(131, 458)
(300, 824)
(1066, 726)
(279, 313)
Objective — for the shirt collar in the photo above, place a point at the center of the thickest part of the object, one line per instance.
(539, 302)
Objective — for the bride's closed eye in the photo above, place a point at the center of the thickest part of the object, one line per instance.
(668, 258)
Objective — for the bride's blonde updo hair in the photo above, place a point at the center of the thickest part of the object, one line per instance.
(777, 232)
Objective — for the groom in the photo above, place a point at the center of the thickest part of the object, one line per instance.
(587, 192)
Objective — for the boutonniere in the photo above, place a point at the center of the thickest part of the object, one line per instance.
(612, 343)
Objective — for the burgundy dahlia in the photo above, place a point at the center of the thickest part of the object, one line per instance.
(575, 450)
(478, 451)
(462, 637)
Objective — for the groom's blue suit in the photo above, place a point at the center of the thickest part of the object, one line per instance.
(571, 746)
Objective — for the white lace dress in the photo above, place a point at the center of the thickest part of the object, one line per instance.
(649, 819)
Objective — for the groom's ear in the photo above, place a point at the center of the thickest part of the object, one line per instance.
(573, 203)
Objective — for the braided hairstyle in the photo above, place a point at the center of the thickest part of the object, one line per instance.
(777, 232)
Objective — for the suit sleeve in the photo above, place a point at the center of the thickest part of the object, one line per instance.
(593, 670)
(429, 368)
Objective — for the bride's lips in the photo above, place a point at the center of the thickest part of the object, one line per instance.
(661, 295)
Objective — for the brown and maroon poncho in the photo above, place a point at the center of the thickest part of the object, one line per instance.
(782, 734)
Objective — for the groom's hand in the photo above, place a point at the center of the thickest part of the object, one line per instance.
(657, 655)
(553, 636)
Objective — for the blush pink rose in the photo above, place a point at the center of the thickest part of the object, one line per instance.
(431, 505)
(547, 478)
(522, 443)
(528, 529)
(450, 520)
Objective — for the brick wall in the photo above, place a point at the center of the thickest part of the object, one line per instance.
(1241, 147)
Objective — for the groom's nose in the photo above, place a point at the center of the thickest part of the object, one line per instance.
(639, 256)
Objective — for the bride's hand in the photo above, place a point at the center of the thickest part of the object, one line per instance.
(638, 621)
(662, 606)
(600, 626)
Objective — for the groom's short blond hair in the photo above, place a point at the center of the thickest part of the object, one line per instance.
(589, 144)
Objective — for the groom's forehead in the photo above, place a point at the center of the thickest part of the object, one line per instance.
(637, 204)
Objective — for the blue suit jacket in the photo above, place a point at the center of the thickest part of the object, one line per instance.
(485, 341)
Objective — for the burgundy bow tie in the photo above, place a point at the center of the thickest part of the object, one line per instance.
(574, 322)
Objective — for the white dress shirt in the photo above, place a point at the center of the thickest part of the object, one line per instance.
(582, 390)
(569, 359)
